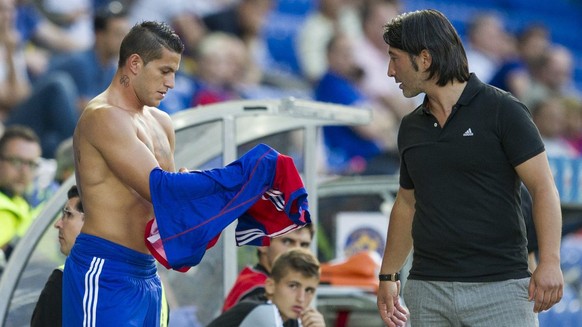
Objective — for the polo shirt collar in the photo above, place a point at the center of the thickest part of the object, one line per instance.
(474, 85)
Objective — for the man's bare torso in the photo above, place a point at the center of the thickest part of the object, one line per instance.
(113, 209)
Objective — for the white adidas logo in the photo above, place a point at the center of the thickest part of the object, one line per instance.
(468, 133)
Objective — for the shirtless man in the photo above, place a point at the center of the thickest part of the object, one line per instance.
(110, 279)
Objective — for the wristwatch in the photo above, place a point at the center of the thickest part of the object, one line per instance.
(389, 277)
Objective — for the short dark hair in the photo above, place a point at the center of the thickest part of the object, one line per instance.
(295, 260)
(73, 192)
(430, 30)
(17, 132)
(147, 39)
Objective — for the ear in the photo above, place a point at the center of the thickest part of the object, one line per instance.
(134, 62)
(425, 59)
(270, 286)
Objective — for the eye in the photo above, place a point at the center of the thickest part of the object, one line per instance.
(293, 285)
(305, 245)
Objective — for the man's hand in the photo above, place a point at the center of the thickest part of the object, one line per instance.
(310, 317)
(392, 312)
(546, 286)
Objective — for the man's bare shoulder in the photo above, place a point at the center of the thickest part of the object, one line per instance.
(160, 115)
(100, 114)
(163, 118)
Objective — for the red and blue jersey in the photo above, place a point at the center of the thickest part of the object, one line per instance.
(262, 189)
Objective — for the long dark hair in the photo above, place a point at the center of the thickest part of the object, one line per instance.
(429, 29)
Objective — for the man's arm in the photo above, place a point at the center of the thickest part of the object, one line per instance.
(547, 282)
(398, 246)
(16, 87)
(166, 122)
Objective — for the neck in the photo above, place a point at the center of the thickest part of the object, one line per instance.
(444, 98)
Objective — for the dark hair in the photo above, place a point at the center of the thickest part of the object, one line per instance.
(17, 132)
(430, 30)
(106, 13)
(295, 260)
(74, 193)
(147, 40)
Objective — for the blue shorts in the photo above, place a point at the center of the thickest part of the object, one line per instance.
(106, 284)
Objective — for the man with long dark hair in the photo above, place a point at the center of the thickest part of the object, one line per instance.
(464, 153)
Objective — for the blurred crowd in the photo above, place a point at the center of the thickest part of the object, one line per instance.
(55, 55)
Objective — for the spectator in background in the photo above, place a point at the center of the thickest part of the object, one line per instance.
(42, 37)
(551, 75)
(48, 309)
(331, 17)
(245, 20)
(487, 45)
(573, 130)
(73, 17)
(349, 149)
(250, 283)
(14, 83)
(47, 106)
(549, 115)
(533, 42)
(289, 290)
(222, 62)
(514, 74)
(19, 156)
(93, 69)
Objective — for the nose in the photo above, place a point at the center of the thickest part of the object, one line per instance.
(390, 71)
(170, 81)
(301, 296)
(58, 224)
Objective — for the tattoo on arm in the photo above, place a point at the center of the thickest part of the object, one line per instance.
(124, 80)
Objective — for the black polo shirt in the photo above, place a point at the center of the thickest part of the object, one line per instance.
(468, 224)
